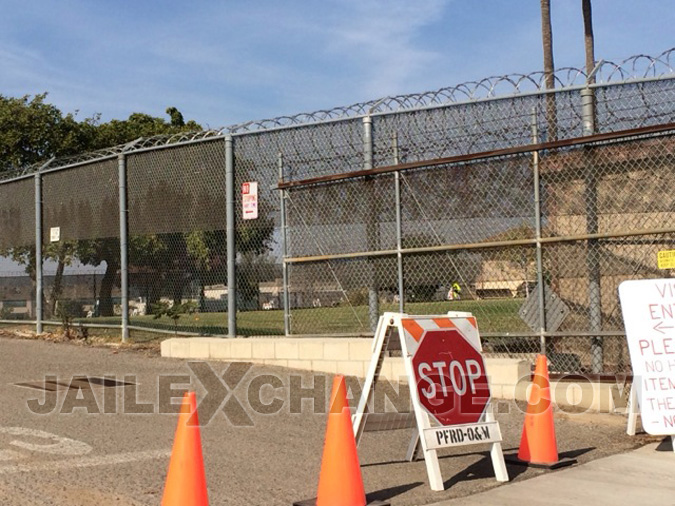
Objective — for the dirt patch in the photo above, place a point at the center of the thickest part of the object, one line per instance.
(90, 338)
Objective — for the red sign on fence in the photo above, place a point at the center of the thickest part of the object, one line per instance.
(249, 200)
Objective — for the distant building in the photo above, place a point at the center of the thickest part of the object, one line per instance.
(502, 278)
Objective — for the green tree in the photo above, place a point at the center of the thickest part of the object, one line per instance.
(147, 248)
(33, 131)
(117, 132)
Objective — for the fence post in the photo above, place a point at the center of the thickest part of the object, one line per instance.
(284, 249)
(124, 244)
(592, 227)
(372, 224)
(399, 234)
(38, 252)
(541, 292)
(588, 110)
(231, 243)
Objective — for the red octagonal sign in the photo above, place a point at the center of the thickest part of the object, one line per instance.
(450, 374)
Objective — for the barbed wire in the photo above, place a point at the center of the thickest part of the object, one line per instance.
(635, 68)
(113, 151)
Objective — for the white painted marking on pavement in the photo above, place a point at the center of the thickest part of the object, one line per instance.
(10, 455)
(60, 446)
(84, 462)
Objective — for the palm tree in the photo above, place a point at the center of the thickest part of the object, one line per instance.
(549, 69)
(589, 41)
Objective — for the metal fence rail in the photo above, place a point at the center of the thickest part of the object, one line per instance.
(467, 198)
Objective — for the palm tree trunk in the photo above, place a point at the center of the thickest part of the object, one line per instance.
(589, 41)
(549, 70)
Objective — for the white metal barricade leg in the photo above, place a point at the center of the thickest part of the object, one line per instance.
(413, 446)
(496, 454)
(632, 410)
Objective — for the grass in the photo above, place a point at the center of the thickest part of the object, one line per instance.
(494, 315)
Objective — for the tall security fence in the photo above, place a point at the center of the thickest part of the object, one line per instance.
(524, 206)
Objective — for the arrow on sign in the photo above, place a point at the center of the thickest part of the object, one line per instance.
(660, 325)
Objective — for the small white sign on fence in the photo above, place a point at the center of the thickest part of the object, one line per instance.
(55, 234)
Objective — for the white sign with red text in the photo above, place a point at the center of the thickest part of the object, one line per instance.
(648, 308)
(249, 200)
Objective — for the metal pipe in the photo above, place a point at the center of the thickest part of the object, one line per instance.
(588, 110)
(284, 251)
(399, 227)
(592, 227)
(553, 335)
(481, 245)
(367, 143)
(38, 253)
(39, 279)
(372, 224)
(214, 138)
(541, 292)
(595, 139)
(124, 244)
(231, 243)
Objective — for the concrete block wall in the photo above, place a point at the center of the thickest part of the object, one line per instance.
(348, 356)
(509, 378)
(602, 396)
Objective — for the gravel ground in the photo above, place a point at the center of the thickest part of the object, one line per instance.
(121, 458)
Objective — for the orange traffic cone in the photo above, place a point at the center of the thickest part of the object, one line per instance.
(186, 481)
(538, 445)
(340, 480)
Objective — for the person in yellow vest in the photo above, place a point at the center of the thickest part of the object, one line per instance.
(456, 291)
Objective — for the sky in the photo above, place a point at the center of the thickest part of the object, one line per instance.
(226, 62)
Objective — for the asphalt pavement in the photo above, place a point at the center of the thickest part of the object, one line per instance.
(262, 433)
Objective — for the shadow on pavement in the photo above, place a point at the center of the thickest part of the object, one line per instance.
(388, 493)
(666, 445)
(479, 470)
(573, 454)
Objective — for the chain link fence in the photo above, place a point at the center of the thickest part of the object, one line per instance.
(467, 237)
(526, 207)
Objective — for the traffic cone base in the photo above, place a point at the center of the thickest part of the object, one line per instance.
(538, 446)
(312, 502)
(562, 462)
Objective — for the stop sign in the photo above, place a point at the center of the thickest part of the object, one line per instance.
(450, 377)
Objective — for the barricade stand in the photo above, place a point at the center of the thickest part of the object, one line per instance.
(448, 388)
